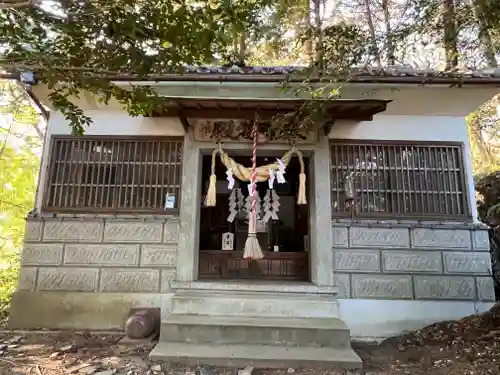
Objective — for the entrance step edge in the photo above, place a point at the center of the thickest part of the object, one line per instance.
(255, 304)
(222, 330)
(205, 293)
(255, 286)
(263, 322)
(265, 356)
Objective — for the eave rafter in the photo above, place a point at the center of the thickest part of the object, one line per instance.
(185, 108)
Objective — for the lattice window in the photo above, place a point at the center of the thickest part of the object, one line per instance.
(137, 174)
(396, 180)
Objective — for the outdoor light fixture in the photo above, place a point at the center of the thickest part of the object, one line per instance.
(27, 78)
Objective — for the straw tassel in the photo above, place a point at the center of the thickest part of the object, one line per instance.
(211, 198)
(301, 196)
(252, 246)
(301, 199)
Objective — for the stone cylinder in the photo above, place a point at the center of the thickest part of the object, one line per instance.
(140, 325)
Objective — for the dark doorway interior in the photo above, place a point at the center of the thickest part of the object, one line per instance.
(284, 242)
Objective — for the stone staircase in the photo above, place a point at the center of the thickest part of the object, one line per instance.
(214, 324)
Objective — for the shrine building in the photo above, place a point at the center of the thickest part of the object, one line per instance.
(367, 223)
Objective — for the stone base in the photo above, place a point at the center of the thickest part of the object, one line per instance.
(366, 319)
(70, 310)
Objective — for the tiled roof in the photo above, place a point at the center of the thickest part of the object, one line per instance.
(394, 74)
(391, 74)
(393, 71)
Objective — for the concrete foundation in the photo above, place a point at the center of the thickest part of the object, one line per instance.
(70, 310)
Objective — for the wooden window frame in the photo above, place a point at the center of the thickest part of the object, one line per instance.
(51, 170)
(460, 179)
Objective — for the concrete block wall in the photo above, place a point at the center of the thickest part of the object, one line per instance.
(422, 261)
(99, 254)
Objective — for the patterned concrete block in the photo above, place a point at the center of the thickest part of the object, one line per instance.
(441, 238)
(27, 279)
(41, 254)
(142, 232)
(74, 231)
(343, 282)
(33, 230)
(382, 286)
(356, 260)
(340, 237)
(157, 255)
(129, 280)
(68, 279)
(102, 255)
(171, 231)
(412, 261)
(472, 263)
(485, 288)
(481, 240)
(167, 275)
(444, 287)
(379, 237)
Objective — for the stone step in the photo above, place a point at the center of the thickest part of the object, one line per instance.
(260, 304)
(257, 286)
(227, 330)
(264, 356)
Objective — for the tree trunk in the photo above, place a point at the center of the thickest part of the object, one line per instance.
(309, 42)
(450, 34)
(391, 59)
(371, 28)
(478, 140)
(484, 35)
(235, 44)
(318, 35)
(242, 47)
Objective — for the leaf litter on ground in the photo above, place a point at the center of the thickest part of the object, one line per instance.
(468, 346)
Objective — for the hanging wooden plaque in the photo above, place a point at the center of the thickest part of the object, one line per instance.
(229, 130)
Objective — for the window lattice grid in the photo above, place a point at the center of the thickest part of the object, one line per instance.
(114, 175)
(410, 180)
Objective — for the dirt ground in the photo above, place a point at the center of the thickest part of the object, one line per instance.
(470, 346)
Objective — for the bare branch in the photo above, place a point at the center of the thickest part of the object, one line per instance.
(39, 131)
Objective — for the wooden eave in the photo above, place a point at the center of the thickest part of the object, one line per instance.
(336, 109)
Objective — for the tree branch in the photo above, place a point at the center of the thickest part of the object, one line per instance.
(64, 68)
(16, 4)
(4, 145)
